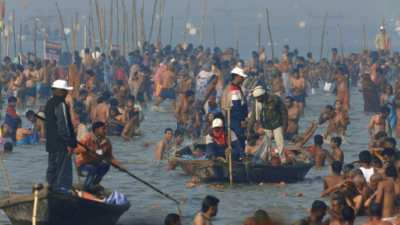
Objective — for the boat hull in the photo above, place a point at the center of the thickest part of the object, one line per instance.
(214, 171)
(61, 209)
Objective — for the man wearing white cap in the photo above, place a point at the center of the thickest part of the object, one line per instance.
(382, 40)
(270, 114)
(217, 141)
(234, 100)
(60, 138)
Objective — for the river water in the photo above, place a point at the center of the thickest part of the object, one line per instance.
(288, 202)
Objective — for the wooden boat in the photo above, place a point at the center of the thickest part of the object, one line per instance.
(60, 209)
(244, 172)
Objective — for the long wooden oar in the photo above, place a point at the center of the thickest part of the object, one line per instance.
(229, 153)
(109, 162)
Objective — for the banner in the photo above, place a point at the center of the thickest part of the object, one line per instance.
(52, 50)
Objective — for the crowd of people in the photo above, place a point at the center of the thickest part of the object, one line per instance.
(233, 106)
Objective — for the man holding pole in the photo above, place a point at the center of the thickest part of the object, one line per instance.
(270, 114)
(234, 101)
(90, 165)
(60, 139)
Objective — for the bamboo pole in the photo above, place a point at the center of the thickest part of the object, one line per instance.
(91, 25)
(203, 22)
(171, 30)
(161, 19)
(153, 17)
(123, 27)
(186, 21)
(118, 25)
(364, 37)
(214, 35)
(8, 39)
(14, 33)
(110, 34)
(259, 37)
(62, 28)
(100, 29)
(321, 52)
(270, 34)
(20, 38)
(134, 25)
(73, 40)
(35, 37)
(229, 152)
(341, 41)
(142, 28)
(85, 36)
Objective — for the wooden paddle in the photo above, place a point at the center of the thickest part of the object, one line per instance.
(121, 169)
(229, 150)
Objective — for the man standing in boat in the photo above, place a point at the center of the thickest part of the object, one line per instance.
(234, 100)
(270, 114)
(60, 138)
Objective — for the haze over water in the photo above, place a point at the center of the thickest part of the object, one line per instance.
(238, 20)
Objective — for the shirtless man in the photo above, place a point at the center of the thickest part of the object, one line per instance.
(31, 77)
(164, 144)
(297, 84)
(334, 179)
(378, 122)
(317, 152)
(101, 111)
(167, 82)
(337, 153)
(375, 215)
(343, 95)
(136, 79)
(293, 118)
(209, 210)
(385, 194)
(185, 84)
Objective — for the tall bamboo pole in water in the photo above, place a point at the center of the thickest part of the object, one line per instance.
(100, 27)
(214, 35)
(35, 37)
(142, 28)
(186, 21)
(20, 38)
(259, 37)
(123, 27)
(270, 34)
(321, 52)
(91, 26)
(14, 33)
(364, 38)
(118, 43)
(171, 30)
(153, 17)
(134, 25)
(161, 19)
(110, 34)
(341, 41)
(203, 22)
(62, 28)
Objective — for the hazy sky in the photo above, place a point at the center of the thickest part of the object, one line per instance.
(238, 20)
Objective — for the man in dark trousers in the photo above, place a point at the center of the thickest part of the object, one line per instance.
(60, 138)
